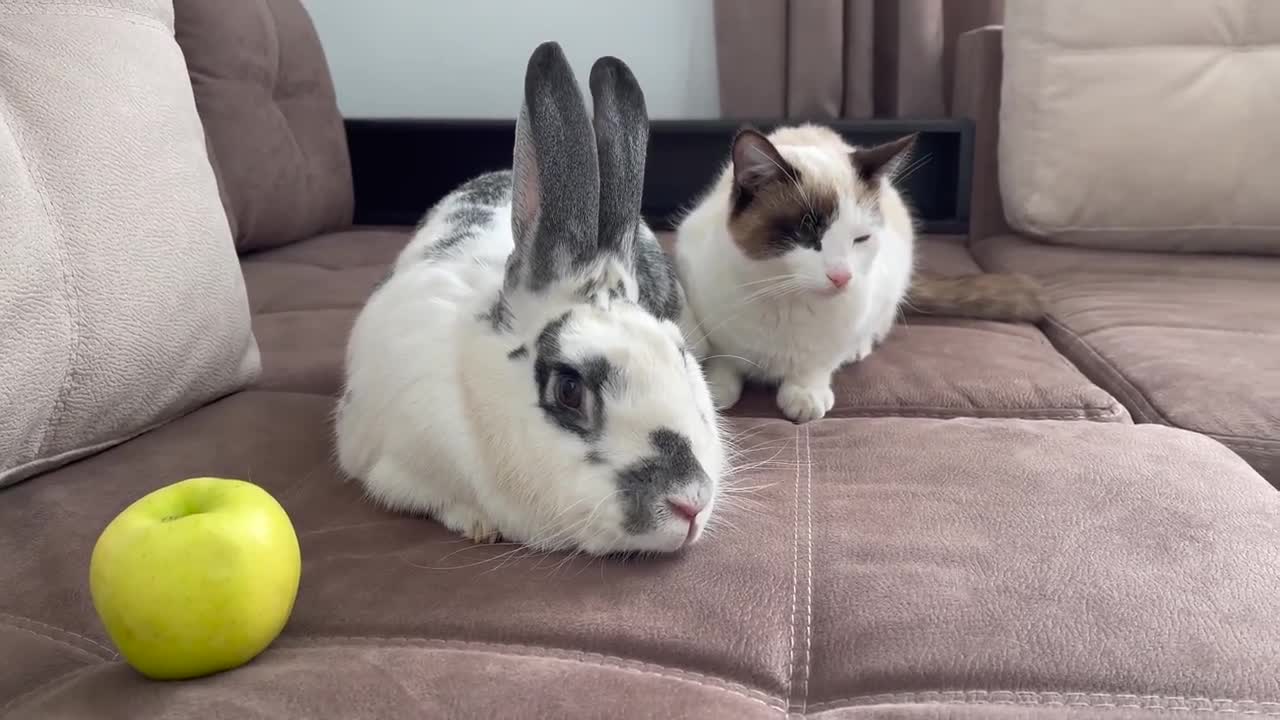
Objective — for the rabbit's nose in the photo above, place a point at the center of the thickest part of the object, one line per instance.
(685, 509)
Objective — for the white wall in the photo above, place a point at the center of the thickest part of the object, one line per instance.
(466, 58)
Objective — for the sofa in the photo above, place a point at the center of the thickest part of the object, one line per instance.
(997, 520)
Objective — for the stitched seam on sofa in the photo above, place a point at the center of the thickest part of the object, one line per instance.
(1191, 426)
(48, 686)
(299, 263)
(795, 579)
(1060, 698)
(1115, 382)
(334, 308)
(808, 572)
(21, 621)
(1179, 328)
(318, 642)
(1259, 444)
(57, 641)
(70, 293)
(105, 13)
(944, 413)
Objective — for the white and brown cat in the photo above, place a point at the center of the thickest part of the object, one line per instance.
(798, 259)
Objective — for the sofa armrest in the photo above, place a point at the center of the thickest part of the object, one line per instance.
(979, 72)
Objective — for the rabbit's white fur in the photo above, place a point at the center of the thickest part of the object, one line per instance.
(461, 367)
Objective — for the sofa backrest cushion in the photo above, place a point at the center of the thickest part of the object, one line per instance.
(1143, 124)
(122, 304)
(266, 97)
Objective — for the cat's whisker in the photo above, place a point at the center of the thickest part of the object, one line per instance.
(735, 357)
(742, 306)
(786, 276)
(913, 167)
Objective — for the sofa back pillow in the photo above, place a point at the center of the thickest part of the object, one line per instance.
(1143, 124)
(266, 97)
(122, 305)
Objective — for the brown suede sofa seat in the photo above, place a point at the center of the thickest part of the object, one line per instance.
(890, 567)
(982, 533)
(1187, 338)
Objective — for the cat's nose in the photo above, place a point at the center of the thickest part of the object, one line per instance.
(839, 278)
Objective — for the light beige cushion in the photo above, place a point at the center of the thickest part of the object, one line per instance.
(121, 302)
(1143, 124)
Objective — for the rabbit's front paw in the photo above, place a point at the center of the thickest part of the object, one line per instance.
(471, 525)
(482, 534)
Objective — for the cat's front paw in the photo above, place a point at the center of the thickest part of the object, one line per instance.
(802, 404)
(725, 383)
(864, 349)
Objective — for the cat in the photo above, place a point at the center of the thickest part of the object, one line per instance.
(799, 257)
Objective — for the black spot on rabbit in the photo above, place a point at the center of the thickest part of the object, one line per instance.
(499, 316)
(465, 221)
(672, 465)
(492, 189)
(572, 397)
(656, 276)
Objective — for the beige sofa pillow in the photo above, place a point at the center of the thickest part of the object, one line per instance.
(121, 300)
(1143, 124)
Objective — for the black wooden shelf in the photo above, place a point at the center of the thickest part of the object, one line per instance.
(402, 166)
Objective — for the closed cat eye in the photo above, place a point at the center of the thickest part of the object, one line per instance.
(861, 238)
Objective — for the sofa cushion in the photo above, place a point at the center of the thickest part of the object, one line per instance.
(1142, 124)
(894, 565)
(950, 367)
(263, 89)
(1184, 340)
(121, 305)
(305, 297)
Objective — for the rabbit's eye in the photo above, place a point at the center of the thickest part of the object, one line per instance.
(569, 391)
(861, 239)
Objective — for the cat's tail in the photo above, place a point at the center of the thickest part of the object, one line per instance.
(1003, 297)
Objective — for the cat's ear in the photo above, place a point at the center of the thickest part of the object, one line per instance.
(884, 160)
(756, 162)
(555, 178)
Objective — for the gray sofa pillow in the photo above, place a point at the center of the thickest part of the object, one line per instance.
(121, 301)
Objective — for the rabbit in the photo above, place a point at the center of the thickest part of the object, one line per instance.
(524, 373)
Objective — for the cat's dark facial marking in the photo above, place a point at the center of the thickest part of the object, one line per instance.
(775, 207)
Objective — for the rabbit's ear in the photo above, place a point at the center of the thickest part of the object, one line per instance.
(622, 138)
(556, 180)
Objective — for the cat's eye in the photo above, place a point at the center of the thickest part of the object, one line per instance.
(569, 391)
(861, 239)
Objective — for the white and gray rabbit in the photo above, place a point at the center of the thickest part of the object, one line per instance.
(523, 372)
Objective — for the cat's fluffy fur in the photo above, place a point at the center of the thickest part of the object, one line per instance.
(799, 258)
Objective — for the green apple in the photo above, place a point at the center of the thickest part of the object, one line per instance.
(195, 578)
